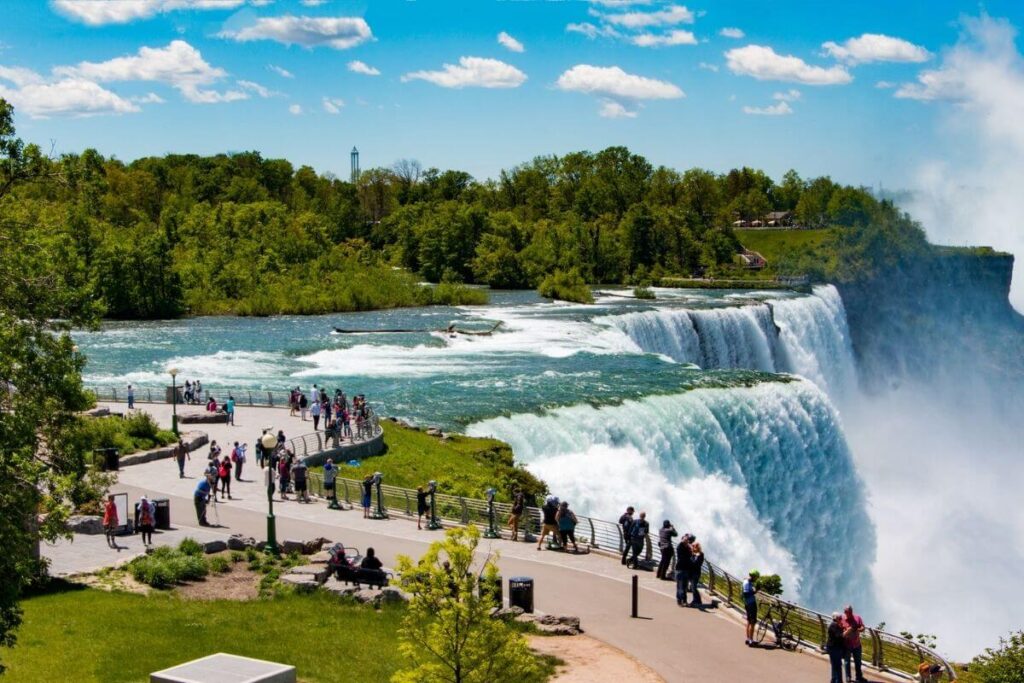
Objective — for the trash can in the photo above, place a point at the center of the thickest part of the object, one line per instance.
(485, 585)
(110, 459)
(163, 513)
(520, 593)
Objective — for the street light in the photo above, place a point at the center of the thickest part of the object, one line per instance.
(174, 401)
(492, 529)
(269, 443)
(433, 522)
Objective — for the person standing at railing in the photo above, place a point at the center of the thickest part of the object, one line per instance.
(330, 475)
(518, 505)
(301, 483)
(696, 566)
(303, 406)
(853, 626)
(626, 524)
(835, 645)
(567, 522)
(367, 495)
(638, 536)
(684, 555)
(315, 412)
(665, 535)
(131, 397)
(749, 593)
(229, 408)
(549, 515)
(293, 402)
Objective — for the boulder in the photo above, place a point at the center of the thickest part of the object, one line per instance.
(318, 571)
(85, 524)
(100, 411)
(511, 612)
(322, 557)
(389, 595)
(434, 431)
(240, 542)
(316, 545)
(558, 630)
(300, 582)
(211, 547)
(289, 546)
(202, 417)
(342, 590)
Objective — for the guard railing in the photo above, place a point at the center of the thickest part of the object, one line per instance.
(243, 397)
(311, 444)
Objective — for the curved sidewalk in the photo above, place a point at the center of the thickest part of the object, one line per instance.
(680, 644)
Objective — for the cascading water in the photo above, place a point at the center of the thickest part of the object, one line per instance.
(807, 336)
(763, 474)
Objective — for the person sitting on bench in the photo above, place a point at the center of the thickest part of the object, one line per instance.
(371, 561)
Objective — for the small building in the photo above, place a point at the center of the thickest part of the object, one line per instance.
(757, 224)
(779, 219)
(752, 260)
(741, 224)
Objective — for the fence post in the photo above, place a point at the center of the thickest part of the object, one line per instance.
(593, 534)
(823, 632)
(647, 548)
(149, 395)
(728, 588)
(876, 643)
(711, 577)
(250, 397)
(345, 484)
(113, 391)
(408, 509)
(622, 539)
(465, 510)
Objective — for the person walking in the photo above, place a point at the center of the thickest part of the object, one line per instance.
(367, 495)
(549, 514)
(567, 522)
(626, 523)
(293, 402)
(315, 412)
(422, 507)
(665, 535)
(749, 593)
(684, 555)
(330, 474)
(637, 536)
(229, 408)
(518, 505)
(696, 567)
(201, 497)
(835, 645)
(853, 626)
(300, 480)
(110, 521)
(147, 517)
(238, 455)
(224, 475)
(284, 475)
(303, 406)
(131, 398)
(180, 455)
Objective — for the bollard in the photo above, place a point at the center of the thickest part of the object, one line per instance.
(636, 595)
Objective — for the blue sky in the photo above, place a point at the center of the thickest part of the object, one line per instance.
(590, 75)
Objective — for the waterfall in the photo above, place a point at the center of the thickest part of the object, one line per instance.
(762, 475)
(806, 335)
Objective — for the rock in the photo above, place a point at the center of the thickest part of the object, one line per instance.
(552, 620)
(203, 417)
(511, 612)
(526, 618)
(322, 557)
(211, 547)
(240, 542)
(288, 547)
(100, 411)
(433, 431)
(316, 545)
(319, 571)
(300, 582)
(85, 524)
(390, 595)
(342, 590)
(558, 629)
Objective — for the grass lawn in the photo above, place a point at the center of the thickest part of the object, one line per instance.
(462, 465)
(85, 634)
(777, 245)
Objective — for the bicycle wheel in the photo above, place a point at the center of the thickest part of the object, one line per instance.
(763, 626)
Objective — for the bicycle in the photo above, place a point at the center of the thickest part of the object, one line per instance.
(777, 626)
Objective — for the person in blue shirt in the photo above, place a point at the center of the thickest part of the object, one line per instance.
(201, 497)
(749, 593)
(229, 408)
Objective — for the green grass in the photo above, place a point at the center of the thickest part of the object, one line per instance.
(90, 635)
(138, 432)
(462, 466)
(783, 247)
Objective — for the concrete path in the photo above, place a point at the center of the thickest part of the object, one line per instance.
(680, 644)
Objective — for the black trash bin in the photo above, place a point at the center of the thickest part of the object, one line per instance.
(110, 459)
(484, 585)
(520, 593)
(163, 513)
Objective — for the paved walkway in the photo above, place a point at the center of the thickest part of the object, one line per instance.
(680, 644)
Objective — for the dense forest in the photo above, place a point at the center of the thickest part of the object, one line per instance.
(237, 233)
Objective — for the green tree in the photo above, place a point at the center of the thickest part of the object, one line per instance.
(448, 634)
(1003, 664)
(812, 209)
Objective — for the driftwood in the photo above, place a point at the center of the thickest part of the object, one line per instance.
(451, 329)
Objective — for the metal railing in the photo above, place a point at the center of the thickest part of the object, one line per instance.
(243, 397)
(881, 650)
(311, 444)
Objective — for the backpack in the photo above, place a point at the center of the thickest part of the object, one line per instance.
(222, 471)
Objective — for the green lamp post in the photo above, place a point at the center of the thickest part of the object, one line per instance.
(174, 400)
(269, 443)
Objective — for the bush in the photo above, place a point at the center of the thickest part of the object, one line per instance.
(190, 546)
(1004, 664)
(642, 292)
(219, 564)
(236, 556)
(167, 566)
(566, 286)
(769, 584)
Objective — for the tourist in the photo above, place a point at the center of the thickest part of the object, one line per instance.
(131, 397)
(684, 556)
(929, 673)
(229, 408)
(853, 626)
(281, 438)
(214, 454)
(147, 518)
(258, 448)
(749, 593)
(665, 535)
(284, 474)
(518, 505)
(188, 391)
(201, 497)
(110, 521)
(422, 507)
(224, 475)
(211, 405)
(367, 494)
(330, 474)
(638, 535)
(325, 411)
(314, 396)
(239, 457)
(696, 567)
(198, 389)
(315, 412)
(567, 522)
(180, 455)
(293, 402)
(371, 561)
(303, 406)
(549, 514)
(299, 472)
(346, 424)
(626, 523)
(835, 645)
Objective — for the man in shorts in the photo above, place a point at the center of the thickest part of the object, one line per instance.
(749, 593)
(518, 505)
(330, 475)
(550, 511)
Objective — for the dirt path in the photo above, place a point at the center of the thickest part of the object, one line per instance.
(590, 661)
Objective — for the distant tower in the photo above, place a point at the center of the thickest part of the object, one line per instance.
(355, 164)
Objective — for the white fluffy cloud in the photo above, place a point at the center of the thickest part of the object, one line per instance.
(764, 64)
(65, 97)
(610, 109)
(674, 37)
(356, 66)
(339, 33)
(179, 65)
(100, 12)
(333, 105)
(511, 43)
(256, 88)
(280, 71)
(475, 72)
(670, 16)
(295, 109)
(791, 95)
(875, 47)
(732, 32)
(612, 81)
(592, 31)
(777, 109)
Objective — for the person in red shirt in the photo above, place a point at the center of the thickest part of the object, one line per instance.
(853, 626)
(110, 521)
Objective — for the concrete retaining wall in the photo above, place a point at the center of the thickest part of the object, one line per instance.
(346, 452)
(192, 439)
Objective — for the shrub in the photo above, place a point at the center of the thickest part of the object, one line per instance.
(190, 546)
(642, 292)
(219, 564)
(167, 566)
(566, 286)
(1004, 664)
(770, 584)
(236, 556)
